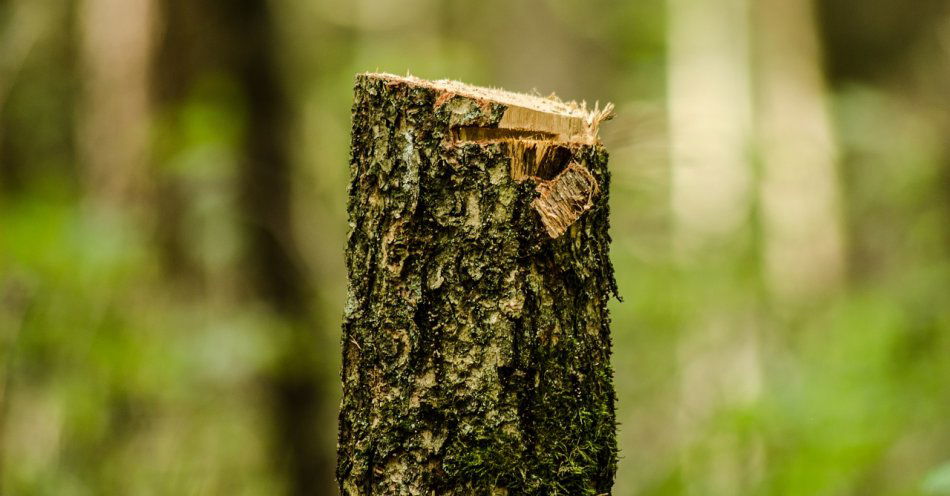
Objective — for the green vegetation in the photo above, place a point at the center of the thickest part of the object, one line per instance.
(172, 227)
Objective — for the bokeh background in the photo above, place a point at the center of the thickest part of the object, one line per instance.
(172, 219)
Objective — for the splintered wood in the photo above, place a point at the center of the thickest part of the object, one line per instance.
(541, 136)
(563, 127)
(539, 160)
(563, 200)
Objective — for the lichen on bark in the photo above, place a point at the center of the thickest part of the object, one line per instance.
(476, 345)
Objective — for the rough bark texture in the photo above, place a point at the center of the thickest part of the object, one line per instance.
(476, 343)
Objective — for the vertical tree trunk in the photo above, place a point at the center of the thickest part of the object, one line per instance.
(712, 136)
(239, 40)
(710, 107)
(475, 336)
(113, 131)
(270, 245)
(803, 239)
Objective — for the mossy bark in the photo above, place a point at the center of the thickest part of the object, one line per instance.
(476, 346)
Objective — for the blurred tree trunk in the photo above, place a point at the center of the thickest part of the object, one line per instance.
(239, 39)
(903, 54)
(266, 170)
(38, 79)
(23, 27)
(278, 276)
(175, 71)
(476, 334)
(113, 124)
(711, 134)
(801, 216)
(745, 84)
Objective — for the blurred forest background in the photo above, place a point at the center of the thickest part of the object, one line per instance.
(172, 219)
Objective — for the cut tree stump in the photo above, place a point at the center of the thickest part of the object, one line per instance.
(476, 341)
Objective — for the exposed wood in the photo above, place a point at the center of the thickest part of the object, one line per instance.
(565, 199)
(568, 121)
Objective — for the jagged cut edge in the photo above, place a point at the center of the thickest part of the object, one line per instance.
(569, 122)
(535, 129)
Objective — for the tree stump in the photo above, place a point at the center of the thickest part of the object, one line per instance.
(476, 341)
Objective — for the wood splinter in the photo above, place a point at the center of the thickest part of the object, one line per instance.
(563, 200)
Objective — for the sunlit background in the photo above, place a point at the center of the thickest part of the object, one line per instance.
(172, 219)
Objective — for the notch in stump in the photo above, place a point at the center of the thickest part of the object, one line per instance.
(541, 135)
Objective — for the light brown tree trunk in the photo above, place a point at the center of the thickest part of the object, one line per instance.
(803, 239)
(712, 138)
(113, 125)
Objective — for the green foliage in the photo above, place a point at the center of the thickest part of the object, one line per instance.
(116, 378)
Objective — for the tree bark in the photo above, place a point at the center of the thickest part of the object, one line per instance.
(476, 335)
